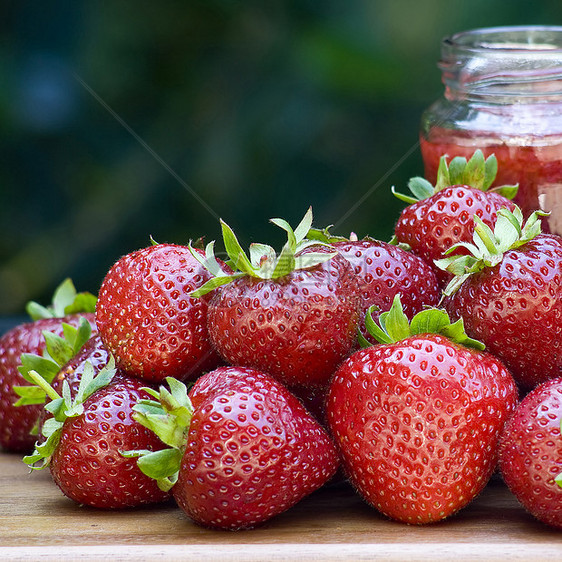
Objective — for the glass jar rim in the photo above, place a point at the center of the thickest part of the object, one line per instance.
(527, 39)
(504, 64)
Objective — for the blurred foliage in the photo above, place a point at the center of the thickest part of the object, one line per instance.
(122, 120)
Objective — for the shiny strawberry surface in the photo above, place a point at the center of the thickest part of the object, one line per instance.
(297, 328)
(147, 319)
(252, 451)
(531, 452)
(417, 424)
(384, 270)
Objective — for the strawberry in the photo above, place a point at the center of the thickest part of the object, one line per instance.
(84, 438)
(383, 270)
(293, 316)
(417, 419)
(243, 448)
(439, 216)
(508, 291)
(147, 319)
(17, 423)
(530, 453)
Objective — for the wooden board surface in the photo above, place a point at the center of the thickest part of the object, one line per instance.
(38, 523)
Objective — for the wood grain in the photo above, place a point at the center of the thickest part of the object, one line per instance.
(38, 523)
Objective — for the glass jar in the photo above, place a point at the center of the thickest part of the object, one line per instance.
(503, 94)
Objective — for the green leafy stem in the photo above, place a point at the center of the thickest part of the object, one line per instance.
(64, 407)
(394, 326)
(168, 415)
(58, 351)
(262, 262)
(478, 172)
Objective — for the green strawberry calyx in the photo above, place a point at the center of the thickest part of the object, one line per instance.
(262, 262)
(168, 415)
(64, 407)
(59, 350)
(488, 247)
(66, 300)
(394, 326)
(324, 235)
(478, 172)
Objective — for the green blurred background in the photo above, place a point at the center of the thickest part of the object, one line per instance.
(122, 120)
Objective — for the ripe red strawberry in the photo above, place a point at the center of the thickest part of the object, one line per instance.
(17, 422)
(439, 216)
(147, 319)
(384, 270)
(86, 435)
(418, 418)
(244, 449)
(509, 293)
(293, 316)
(530, 454)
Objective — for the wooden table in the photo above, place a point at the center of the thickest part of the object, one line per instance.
(38, 523)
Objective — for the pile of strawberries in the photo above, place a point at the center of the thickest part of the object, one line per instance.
(415, 368)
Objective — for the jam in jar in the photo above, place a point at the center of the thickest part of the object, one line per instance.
(503, 95)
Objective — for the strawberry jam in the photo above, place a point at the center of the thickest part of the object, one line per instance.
(503, 95)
